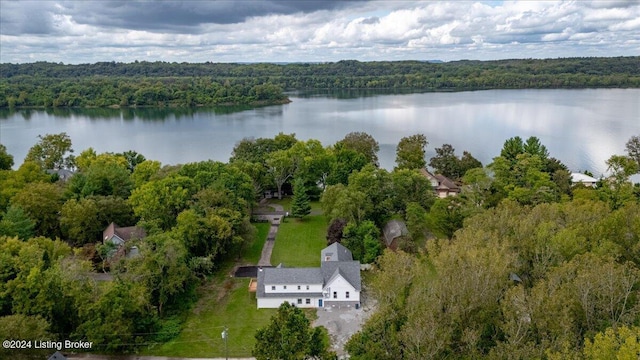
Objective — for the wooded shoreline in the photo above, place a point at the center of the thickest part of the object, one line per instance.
(162, 84)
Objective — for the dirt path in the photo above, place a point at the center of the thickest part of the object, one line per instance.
(267, 249)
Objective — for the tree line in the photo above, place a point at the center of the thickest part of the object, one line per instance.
(520, 262)
(44, 84)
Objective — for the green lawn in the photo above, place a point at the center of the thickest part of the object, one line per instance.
(227, 303)
(299, 242)
(253, 252)
(286, 203)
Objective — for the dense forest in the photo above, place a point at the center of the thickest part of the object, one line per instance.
(44, 84)
(521, 264)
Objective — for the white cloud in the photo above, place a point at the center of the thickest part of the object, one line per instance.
(71, 32)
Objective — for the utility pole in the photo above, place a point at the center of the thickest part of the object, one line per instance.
(225, 336)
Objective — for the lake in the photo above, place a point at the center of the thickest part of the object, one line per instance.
(582, 128)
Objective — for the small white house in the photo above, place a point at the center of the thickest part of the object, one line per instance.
(586, 180)
(336, 283)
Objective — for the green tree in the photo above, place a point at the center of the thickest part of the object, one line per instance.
(633, 149)
(118, 317)
(24, 327)
(208, 235)
(468, 162)
(53, 151)
(42, 203)
(533, 146)
(621, 343)
(346, 162)
(363, 240)
(16, 223)
(618, 189)
(512, 148)
(289, 336)
(300, 205)
(410, 152)
(445, 162)
(159, 202)
(144, 172)
(162, 268)
(6, 160)
(362, 143)
(280, 167)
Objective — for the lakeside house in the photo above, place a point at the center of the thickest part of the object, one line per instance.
(442, 185)
(119, 236)
(336, 283)
(583, 179)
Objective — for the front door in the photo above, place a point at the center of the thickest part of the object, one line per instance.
(319, 302)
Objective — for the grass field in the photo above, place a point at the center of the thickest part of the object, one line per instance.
(299, 242)
(223, 303)
(226, 301)
(253, 252)
(286, 204)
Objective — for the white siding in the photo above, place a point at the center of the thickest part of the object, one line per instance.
(313, 288)
(341, 286)
(274, 303)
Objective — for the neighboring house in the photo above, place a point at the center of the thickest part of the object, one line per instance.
(393, 231)
(63, 174)
(586, 180)
(120, 235)
(442, 185)
(336, 283)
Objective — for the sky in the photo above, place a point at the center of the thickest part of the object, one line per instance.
(76, 32)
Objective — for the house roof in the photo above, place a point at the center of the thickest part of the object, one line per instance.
(284, 276)
(349, 270)
(335, 252)
(393, 229)
(124, 233)
(582, 178)
(444, 183)
(293, 276)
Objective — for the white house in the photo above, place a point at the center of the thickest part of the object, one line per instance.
(336, 283)
(586, 180)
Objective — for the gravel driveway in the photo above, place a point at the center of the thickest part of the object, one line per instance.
(343, 323)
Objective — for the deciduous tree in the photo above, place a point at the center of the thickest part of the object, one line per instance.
(53, 151)
(6, 159)
(410, 152)
(289, 336)
(362, 143)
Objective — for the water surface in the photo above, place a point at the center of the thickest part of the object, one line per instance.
(582, 128)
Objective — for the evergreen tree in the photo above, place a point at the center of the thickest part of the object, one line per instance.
(300, 205)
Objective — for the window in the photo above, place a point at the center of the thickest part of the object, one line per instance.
(299, 301)
(308, 301)
(335, 294)
(285, 287)
(307, 287)
(298, 287)
(273, 287)
(347, 295)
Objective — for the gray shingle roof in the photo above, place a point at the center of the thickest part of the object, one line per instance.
(294, 276)
(349, 270)
(335, 252)
(336, 261)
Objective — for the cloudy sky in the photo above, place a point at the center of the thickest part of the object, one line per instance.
(289, 31)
